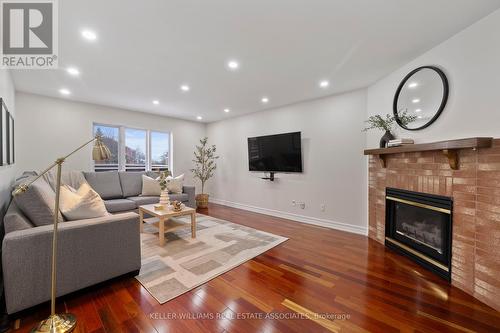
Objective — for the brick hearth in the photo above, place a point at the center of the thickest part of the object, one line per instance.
(475, 189)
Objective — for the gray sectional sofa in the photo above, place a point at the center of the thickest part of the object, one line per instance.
(121, 190)
(89, 251)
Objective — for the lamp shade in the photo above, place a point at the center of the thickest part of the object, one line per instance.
(100, 152)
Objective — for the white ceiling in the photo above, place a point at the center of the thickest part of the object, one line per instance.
(146, 49)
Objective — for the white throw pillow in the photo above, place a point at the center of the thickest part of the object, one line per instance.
(174, 185)
(80, 204)
(150, 186)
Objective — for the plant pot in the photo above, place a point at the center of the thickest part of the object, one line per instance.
(385, 139)
(202, 200)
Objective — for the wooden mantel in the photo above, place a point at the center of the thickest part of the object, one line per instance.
(449, 148)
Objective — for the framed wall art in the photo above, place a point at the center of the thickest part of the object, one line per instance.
(7, 147)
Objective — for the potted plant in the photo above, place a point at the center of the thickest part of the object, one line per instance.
(204, 167)
(386, 124)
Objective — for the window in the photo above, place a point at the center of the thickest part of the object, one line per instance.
(160, 143)
(110, 137)
(134, 149)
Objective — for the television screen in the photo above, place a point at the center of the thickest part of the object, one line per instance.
(275, 153)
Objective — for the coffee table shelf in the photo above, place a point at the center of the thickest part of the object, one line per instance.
(162, 217)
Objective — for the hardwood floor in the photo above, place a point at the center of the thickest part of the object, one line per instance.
(320, 280)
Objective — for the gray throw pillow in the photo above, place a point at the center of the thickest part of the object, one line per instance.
(38, 202)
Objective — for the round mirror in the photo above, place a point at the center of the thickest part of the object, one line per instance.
(422, 94)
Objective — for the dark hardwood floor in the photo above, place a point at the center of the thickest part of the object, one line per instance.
(320, 280)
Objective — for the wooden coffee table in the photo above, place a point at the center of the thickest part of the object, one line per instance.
(161, 216)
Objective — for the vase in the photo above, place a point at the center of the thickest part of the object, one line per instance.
(202, 200)
(164, 199)
(385, 139)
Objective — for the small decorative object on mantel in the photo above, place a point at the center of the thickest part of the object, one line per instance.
(164, 199)
(204, 167)
(386, 124)
(400, 142)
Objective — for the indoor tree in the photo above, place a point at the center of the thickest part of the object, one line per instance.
(204, 167)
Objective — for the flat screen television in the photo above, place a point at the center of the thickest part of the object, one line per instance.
(275, 153)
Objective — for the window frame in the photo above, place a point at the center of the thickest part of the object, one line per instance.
(150, 158)
(119, 148)
(122, 145)
(146, 151)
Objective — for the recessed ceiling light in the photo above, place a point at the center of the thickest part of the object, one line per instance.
(199, 117)
(419, 117)
(226, 110)
(418, 110)
(64, 91)
(413, 85)
(324, 84)
(89, 34)
(73, 71)
(416, 100)
(264, 100)
(233, 65)
(156, 102)
(185, 87)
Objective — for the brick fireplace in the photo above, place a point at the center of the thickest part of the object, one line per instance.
(475, 189)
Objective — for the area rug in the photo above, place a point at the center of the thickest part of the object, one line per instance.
(185, 263)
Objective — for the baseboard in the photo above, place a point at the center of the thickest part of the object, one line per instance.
(295, 217)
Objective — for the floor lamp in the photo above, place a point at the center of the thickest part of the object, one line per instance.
(65, 322)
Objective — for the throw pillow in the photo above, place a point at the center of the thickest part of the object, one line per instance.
(150, 186)
(174, 185)
(80, 204)
(38, 202)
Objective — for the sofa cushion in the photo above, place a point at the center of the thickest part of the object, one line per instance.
(183, 197)
(27, 174)
(153, 174)
(131, 183)
(144, 200)
(107, 184)
(15, 220)
(119, 205)
(38, 202)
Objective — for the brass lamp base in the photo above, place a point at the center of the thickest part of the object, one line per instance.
(58, 323)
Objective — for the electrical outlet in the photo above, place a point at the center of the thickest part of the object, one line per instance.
(302, 205)
(322, 207)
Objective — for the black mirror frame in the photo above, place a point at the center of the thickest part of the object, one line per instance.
(446, 89)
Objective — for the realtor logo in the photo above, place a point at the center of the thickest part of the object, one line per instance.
(29, 34)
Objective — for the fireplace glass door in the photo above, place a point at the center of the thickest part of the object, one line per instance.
(419, 225)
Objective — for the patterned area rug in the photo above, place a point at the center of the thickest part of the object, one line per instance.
(185, 263)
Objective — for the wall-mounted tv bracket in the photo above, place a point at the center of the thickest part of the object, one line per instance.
(270, 178)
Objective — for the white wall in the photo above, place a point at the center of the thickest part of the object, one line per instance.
(7, 173)
(334, 166)
(48, 128)
(471, 61)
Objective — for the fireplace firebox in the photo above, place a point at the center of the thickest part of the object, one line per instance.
(419, 226)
